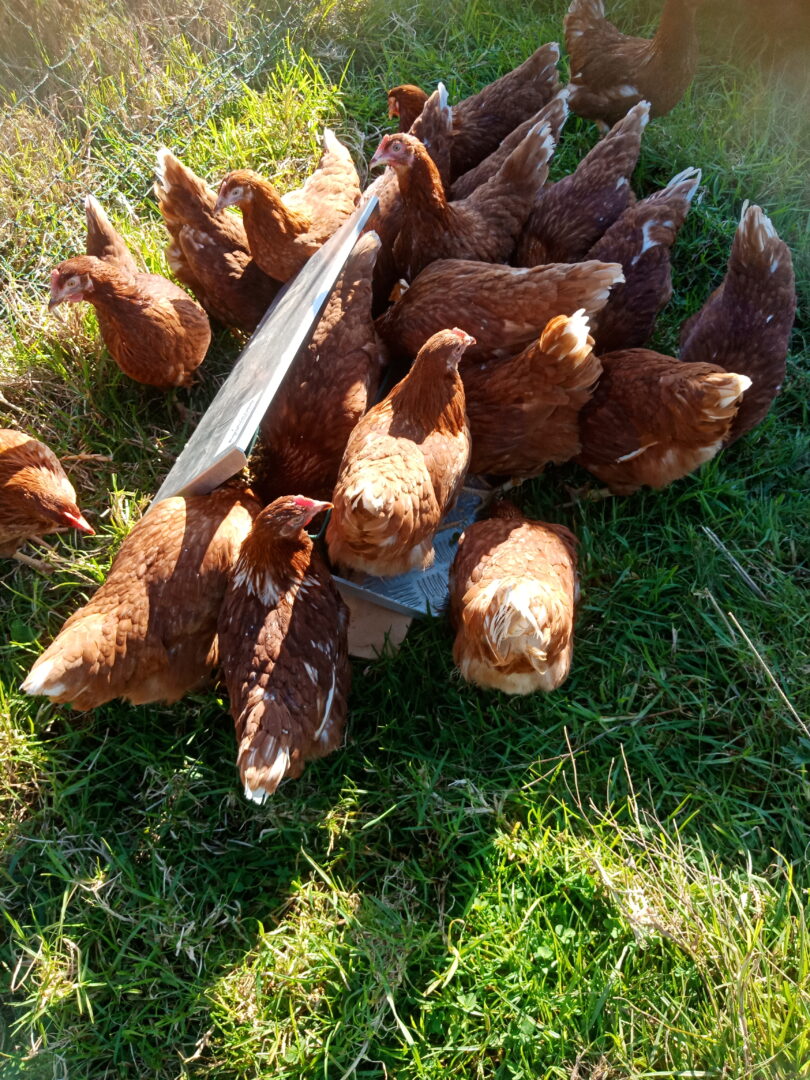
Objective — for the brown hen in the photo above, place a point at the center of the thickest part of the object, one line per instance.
(36, 497)
(503, 307)
(284, 231)
(403, 467)
(610, 71)
(406, 103)
(653, 419)
(209, 252)
(482, 227)
(148, 633)
(330, 385)
(153, 329)
(641, 240)
(523, 410)
(554, 114)
(513, 586)
(571, 215)
(483, 120)
(283, 643)
(745, 324)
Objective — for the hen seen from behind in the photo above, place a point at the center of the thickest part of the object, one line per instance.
(283, 642)
(653, 419)
(523, 409)
(745, 324)
(328, 388)
(513, 586)
(611, 71)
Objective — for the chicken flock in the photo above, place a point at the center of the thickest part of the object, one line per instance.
(511, 315)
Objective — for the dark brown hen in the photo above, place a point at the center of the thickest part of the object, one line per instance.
(523, 410)
(571, 215)
(503, 307)
(283, 643)
(611, 71)
(641, 240)
(330, 385)
(745, 324)
(653, 419)
(482, 227)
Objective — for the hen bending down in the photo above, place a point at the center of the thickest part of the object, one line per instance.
(554, 114)
(571, 215)
(503, 307)
(653, 419)
(611, 71)
(36, 497)
(284, 231)
(209, 252)
(483, 226)
(745, 324)
(153, 329)
(641, 240)
(403, 467)
(283, 642)
(148, 633)
(523, 410)
(330, 385)
(513, 586)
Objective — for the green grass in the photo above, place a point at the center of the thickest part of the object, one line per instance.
(609, 882)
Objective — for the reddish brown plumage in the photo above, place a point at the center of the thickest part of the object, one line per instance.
(482, 227)
(148, 633)
(504, 308)
(406, 102)
(554, 114)
(611, 71)
(483, 120)
(283, 643)
(653, 419)
(209, 252)
(571, 215)
(153, 330)
(523, 410)
(434, 129)
(513, 586)
(284, 231)
(403, 467)
(641, 240)
(745, 324)
(330, 385)
(36, 497)
(103, 241)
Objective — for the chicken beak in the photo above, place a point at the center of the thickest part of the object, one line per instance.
(221, 203)
(78, 521)
(57, 295)
(316, 508)
(393, 108)
(379, 157)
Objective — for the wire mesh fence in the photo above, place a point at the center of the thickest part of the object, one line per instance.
(88, 94)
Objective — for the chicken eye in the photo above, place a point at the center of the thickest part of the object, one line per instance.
(396, 145)
(72, 282)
